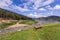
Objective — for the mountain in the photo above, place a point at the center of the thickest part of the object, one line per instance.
(56, 18)
(5, 14)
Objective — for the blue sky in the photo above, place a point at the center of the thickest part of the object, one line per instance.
(32, 8)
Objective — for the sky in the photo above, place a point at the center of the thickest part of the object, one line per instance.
(32, 8)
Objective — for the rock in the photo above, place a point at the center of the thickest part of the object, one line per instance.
(38, 26)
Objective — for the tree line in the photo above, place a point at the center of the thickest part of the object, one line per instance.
(11, 15)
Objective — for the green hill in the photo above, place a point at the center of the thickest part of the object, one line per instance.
(11, 15)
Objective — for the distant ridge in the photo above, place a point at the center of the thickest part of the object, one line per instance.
(5, 14)
(50, 18)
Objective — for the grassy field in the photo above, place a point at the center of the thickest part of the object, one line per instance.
(29, 22)
(48, 32)
(4, 25)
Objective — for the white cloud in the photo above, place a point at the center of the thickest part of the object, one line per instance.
(5, 3)
(49, 7)
(57, 7)
(47, 2)
(19, 8)
(42, 9)
(37, 3)
(40, 3)
(53, 8)
(35, 15)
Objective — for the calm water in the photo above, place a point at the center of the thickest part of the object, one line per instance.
(45, 21)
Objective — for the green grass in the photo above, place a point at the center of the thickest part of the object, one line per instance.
(29, 22)
(48, 32)
(4, 25)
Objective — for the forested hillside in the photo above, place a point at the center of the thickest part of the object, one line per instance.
(11, 15)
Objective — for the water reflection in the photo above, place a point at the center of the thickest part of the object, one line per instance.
(46, 21)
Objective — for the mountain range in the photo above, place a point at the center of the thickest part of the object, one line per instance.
(56, 18)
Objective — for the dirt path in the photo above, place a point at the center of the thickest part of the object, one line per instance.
(16, 27)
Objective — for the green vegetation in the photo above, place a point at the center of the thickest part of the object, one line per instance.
(29, 22)
(4, 25)
(48, 32)
(11, 15)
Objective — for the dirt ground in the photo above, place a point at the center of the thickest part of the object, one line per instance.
(17, 25)
(6, 21)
